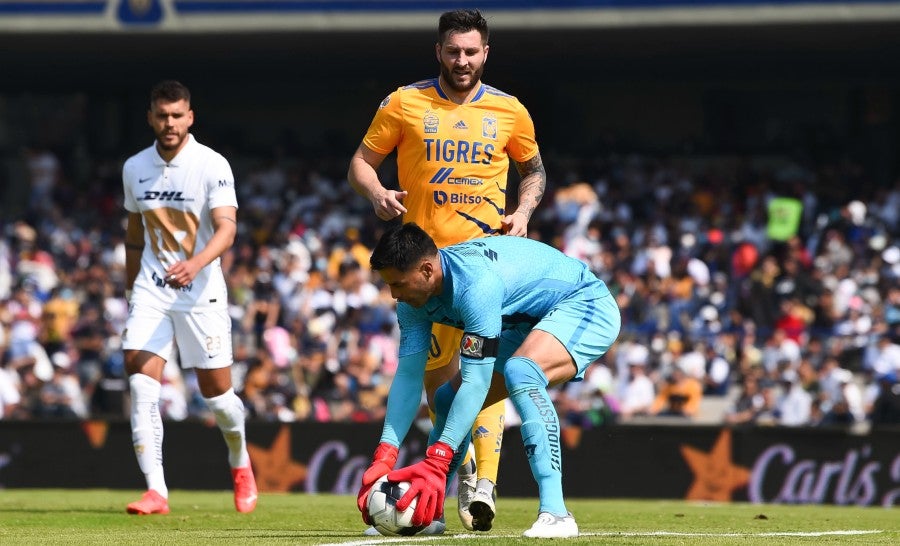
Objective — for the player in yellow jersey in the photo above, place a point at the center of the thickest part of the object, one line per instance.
(455, 138)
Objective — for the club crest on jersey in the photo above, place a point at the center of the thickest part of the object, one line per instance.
(489, 127)
(431, 122)
(472, 346)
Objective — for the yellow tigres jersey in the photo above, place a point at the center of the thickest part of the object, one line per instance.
(453, 159)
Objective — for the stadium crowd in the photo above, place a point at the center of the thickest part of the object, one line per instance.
(771, 285)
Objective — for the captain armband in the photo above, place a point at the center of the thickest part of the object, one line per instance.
(132, 246)
(475, 346)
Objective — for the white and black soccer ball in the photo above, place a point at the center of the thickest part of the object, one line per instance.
(382, 508)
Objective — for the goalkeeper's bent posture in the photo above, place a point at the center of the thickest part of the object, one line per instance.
(529, 312)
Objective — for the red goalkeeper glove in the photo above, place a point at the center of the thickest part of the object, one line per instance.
(428, 481)
(382, 462)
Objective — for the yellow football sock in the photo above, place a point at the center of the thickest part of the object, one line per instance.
(487, 436)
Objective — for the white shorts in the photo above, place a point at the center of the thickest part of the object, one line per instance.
(203, 338)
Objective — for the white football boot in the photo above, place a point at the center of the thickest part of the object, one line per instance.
(468, 479)
(551, 526)
(483, 507)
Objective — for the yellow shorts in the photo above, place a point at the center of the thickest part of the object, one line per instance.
(445, 342)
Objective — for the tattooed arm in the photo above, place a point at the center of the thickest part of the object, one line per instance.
(532, 185)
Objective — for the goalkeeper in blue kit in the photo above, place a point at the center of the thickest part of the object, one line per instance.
(529, 313)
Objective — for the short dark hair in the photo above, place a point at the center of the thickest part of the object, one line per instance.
(462, 20)
(169, 91)
(402, 247)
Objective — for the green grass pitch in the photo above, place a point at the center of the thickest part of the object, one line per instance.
(43, 516)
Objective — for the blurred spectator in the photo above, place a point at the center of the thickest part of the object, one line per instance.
(263, 309)
(589, 403)
(35, 266)
(794, 406)
(9, 389)
(678, 289)
(354, 290)
(854, 329)
(717, 379)
(679, 395)
(585, 245)
(748, 404)
(173, 395)
(794, 320)
(348, 250)
(261, 390)
(832, 378)
(58, 318)
(23, 315)
(638, 393)
(882, 356)
(44, 171)
(759, 298)
(886, 407)
(61, 396)
(693, 359)
(375, 370)
(845, 401)
(89, 338)
(892, 304)
(779, 350)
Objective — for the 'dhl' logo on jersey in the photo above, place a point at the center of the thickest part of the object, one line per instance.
(472, 346)
(162, 196)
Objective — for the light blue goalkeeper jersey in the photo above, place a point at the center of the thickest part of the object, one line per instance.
(490, 285)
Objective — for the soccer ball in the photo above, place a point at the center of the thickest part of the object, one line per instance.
(382, 508)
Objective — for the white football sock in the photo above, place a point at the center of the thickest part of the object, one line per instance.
(147, 430)
(229, 412)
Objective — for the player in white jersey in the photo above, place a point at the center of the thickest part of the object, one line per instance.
(182, 212)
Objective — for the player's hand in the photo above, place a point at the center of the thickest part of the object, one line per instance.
(514, 224)
(382, 462)
(388, 204)
(181, 274)
(428, 481)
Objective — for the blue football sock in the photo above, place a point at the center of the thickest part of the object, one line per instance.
(443, 399)
(527, 386)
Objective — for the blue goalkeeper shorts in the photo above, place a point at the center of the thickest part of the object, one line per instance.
(586, 327)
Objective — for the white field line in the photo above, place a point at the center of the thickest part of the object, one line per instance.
(418, 540)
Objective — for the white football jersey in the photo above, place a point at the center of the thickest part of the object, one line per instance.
(175, 200)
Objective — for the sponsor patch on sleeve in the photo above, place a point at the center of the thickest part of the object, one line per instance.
(475, 346)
